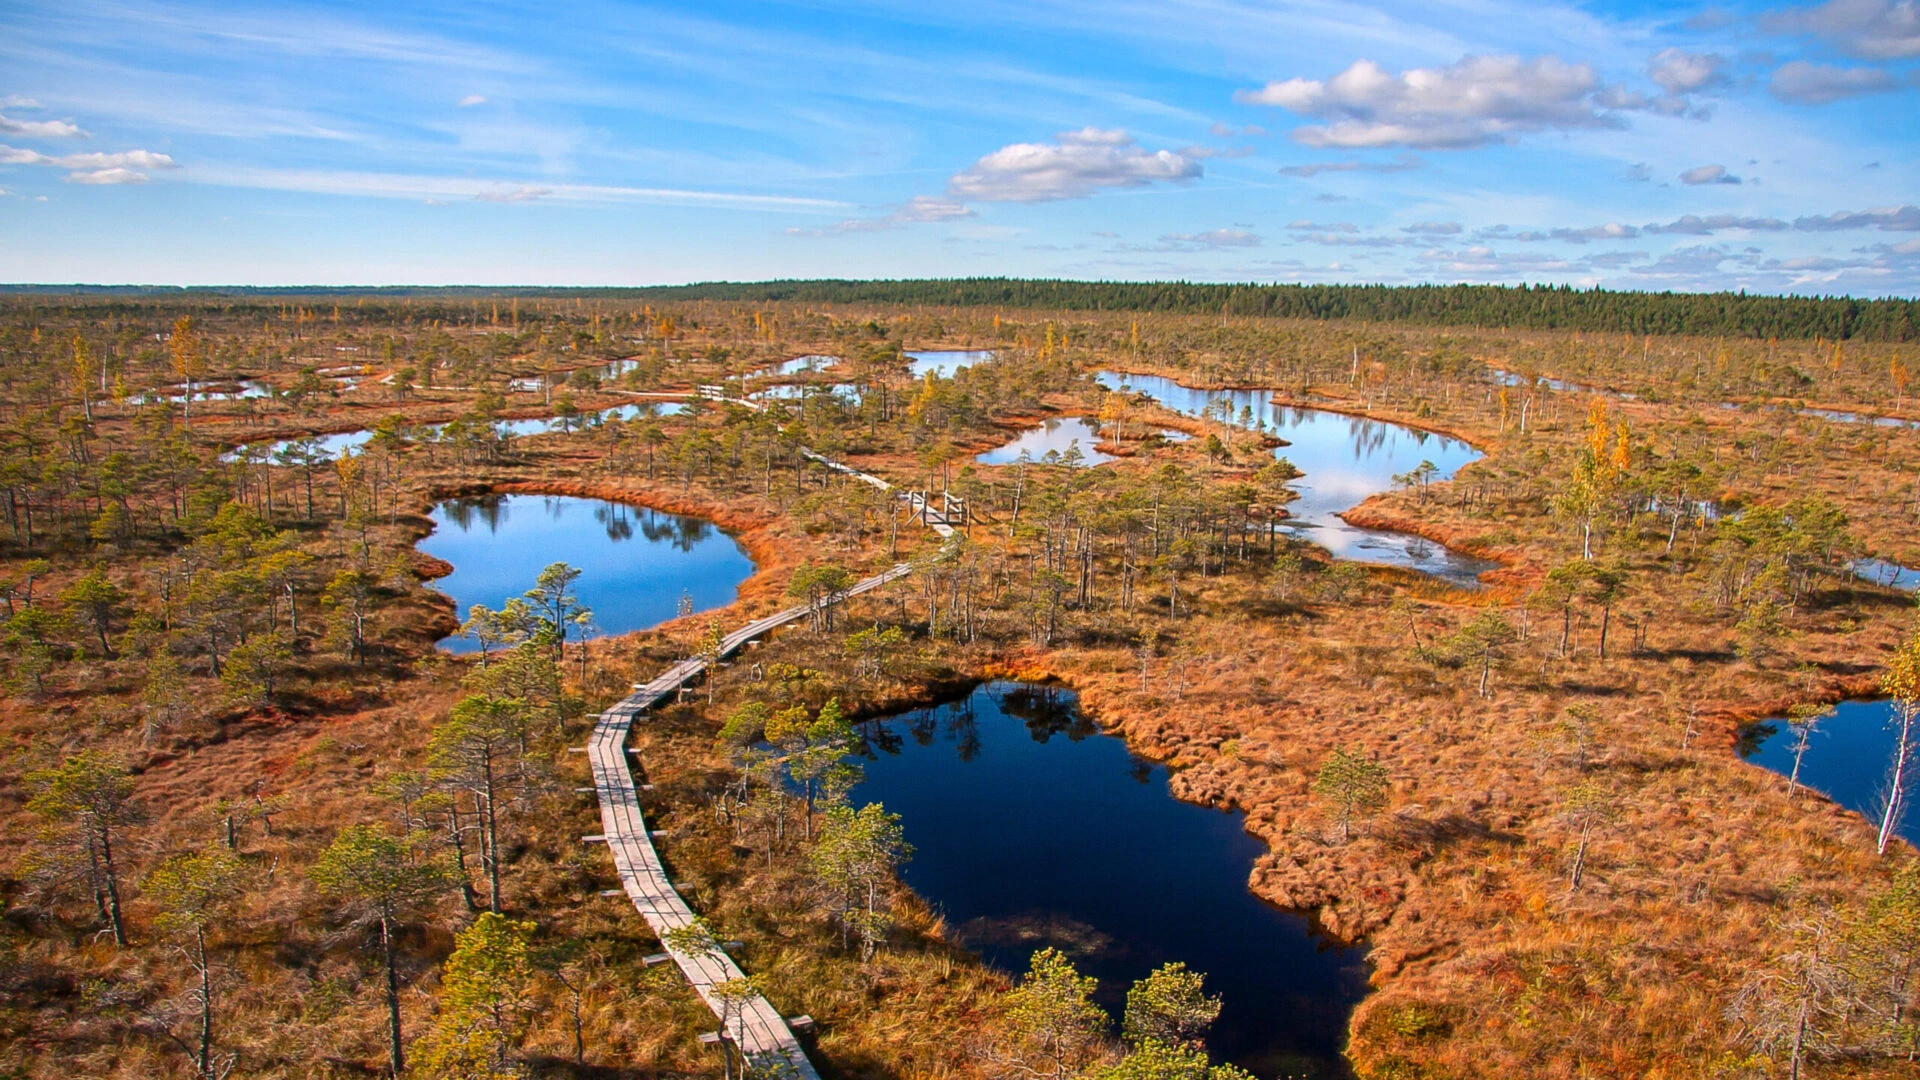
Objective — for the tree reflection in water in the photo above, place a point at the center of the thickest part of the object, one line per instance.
(1048, 711)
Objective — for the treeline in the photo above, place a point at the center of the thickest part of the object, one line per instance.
(1543, 307)
(1529, 307)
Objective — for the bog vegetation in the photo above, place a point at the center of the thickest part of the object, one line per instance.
(256, 824)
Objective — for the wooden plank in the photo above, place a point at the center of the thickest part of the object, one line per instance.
(759, 1028)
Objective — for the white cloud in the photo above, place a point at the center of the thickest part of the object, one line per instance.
(470, 101)
(1228, 131)
(1874, 29)
(1478, 100)
(93, 168)
(1708, 174)
(1819, 84)
(133, 159)
(1695, 225)
(36, 129)
(522, 193)
(1079, 164)
(1433, 228)
(1349, 239)
(1212, 240)
(1885, 218)
(1686, 262)
(1681, 72)
(108, 176)
(931, 208)
(1315, 226)
(1612, 230)
(1403, 163)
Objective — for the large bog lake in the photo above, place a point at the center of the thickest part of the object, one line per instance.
(1034, 829)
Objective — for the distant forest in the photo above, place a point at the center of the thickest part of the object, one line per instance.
(1529, 307)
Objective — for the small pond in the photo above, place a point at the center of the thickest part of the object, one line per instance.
(1346, 459)
(634, 562)
(945, 362)
(1033, 829)
(800, 364)
(1882, 572)
(1860, 418)
(339, 442)
(800, 391)
(1846, 757)
(1054, 436)
(207, 391)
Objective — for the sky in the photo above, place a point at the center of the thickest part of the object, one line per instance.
(1633, 145)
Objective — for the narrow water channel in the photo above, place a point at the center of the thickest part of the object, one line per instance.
(1346, 459)
(1033, 829)
(635, 563)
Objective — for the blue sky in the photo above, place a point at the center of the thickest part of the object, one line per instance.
(1634, 145)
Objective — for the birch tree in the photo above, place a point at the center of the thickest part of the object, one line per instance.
(1901, 684)
(1802, 719)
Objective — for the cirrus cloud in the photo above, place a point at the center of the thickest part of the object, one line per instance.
(1076, 165)
(522, 193)
(1402, 163)
(1473, 102)
(918, 210)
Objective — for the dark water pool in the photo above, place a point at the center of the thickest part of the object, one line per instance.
(1034, 829)
(1846, 757)
(634, 562)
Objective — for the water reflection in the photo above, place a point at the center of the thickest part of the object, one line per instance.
(1846, 759)
(1054, 436)
(1033, 829)
(332, 446)
(1346, 459)
(1883, 572)
(635, 562)
(945, 362)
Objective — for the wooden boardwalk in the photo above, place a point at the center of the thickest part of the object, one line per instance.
(757, 1028)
